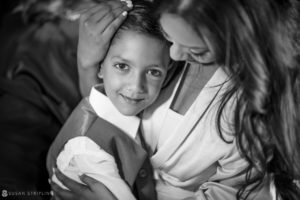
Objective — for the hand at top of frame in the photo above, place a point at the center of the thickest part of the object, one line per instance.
(98, 23)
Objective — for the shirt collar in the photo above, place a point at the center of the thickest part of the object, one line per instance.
(105, 109)
(218, 78)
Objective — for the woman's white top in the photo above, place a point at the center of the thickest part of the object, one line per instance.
(189, 157)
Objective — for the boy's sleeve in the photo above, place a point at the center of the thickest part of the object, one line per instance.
(81, 155)
(229, 178)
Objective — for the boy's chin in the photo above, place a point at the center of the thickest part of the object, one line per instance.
(130, 112)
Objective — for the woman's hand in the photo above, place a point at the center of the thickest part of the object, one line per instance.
(93, 190)
(97, 25)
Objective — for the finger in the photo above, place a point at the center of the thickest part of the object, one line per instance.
(88, 180)
(97, 187)
(94, 184)
(60, 193)
(89, 9)
(84, 7)
(99, 14)
(108, 19)
(68, 182)
(109, 6)
(117, 3)
(86, 15)
(128, 4)
(109, 9)
(114, 25)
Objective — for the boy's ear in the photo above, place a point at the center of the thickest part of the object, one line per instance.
(100, 74)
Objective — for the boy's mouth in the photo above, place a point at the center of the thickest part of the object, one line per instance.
(131, 100)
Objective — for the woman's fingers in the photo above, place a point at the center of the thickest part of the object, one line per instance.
(98, 18)
(96, 29)
(107, 20)
(97, 187)
(88, 180)
(111, 7)
(115, 18)
(60, 193)
(99, 11)
(112, 27)
(69, 183)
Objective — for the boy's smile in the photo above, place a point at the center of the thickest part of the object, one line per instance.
(132, 101)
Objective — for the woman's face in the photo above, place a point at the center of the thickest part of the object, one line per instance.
(186, 43)
(134, 70)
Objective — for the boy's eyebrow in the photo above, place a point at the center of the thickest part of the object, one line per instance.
(121, 58)
(128, 61)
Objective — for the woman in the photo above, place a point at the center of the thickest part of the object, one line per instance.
(252, 41)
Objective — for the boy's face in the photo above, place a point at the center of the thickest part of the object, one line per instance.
(134, 70)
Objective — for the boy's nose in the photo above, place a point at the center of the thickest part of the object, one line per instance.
(137, 84)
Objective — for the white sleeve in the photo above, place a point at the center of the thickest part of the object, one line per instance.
(229, 177)
(81, 155)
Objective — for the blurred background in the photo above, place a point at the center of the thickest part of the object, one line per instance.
(38, 89)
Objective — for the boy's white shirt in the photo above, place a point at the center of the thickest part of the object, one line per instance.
(105, 109)
(81, 155)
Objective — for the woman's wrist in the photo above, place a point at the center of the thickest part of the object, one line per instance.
(87, 77)
(86, 63)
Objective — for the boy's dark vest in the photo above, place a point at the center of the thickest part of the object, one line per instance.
(132, 160)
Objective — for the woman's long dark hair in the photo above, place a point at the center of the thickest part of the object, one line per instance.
(255, 41)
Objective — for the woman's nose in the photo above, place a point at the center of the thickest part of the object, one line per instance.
(177, 52)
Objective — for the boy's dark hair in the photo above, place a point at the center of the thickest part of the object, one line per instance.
(141, 20)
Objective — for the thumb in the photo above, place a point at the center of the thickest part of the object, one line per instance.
(97, 187)
(89, 180)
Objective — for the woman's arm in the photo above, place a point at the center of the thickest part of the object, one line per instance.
(230, 177)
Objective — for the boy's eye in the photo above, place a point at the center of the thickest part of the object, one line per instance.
(121, 66)
(155, 72)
